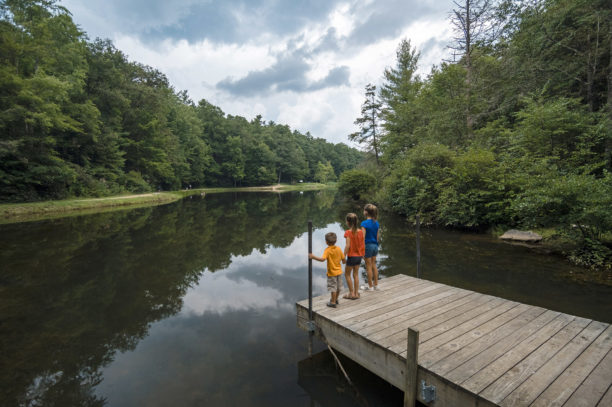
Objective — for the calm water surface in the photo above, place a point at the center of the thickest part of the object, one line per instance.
(193, 303)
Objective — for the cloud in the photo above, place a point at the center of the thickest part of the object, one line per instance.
(289, 73)
(220, 21)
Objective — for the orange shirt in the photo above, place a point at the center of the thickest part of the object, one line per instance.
(357, 247)
(334, 256)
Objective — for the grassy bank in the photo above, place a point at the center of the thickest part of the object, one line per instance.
(23, 212)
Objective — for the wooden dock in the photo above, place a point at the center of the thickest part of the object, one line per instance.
(474, 349)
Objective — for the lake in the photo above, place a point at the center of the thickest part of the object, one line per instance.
(192, 303)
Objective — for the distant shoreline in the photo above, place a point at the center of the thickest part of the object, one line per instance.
(33, 211)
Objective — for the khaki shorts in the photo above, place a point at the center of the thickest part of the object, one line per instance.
(334, 283)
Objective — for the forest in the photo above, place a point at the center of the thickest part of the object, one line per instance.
(515, 131)
(77, 118)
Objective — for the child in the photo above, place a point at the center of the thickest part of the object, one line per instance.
(333, 255)
(354, 251)
(371, 230)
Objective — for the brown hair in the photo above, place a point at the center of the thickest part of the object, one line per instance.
(371, 210)
(330, 238)
(352, 221)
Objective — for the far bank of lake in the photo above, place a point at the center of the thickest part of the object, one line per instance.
(24, 212)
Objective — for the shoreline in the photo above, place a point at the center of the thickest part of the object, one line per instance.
(34, 211)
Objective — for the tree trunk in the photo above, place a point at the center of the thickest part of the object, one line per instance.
(608, 153)
(469, 121)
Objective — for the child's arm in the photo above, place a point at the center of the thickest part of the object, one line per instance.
(378, 236)
(363, 232)
(312, 256)
(347, 246)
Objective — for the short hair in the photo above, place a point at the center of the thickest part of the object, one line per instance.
(330, 238)
(371, 210)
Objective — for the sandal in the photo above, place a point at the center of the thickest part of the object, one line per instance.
(329, 304)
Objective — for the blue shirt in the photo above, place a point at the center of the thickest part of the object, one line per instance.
(371, 226)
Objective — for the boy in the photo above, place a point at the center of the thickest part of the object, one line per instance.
(333, 254)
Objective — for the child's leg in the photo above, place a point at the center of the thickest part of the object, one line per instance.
(349, 282)
(374, 271)
(368, 262)
(356, 281)
(334, 297)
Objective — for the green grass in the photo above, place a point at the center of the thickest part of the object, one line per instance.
(22, 212)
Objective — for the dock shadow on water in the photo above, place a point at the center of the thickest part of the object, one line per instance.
(192, 303)
(321, 378)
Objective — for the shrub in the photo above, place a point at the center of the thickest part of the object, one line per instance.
(357, 183)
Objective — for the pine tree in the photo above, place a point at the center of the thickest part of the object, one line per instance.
(369, 122)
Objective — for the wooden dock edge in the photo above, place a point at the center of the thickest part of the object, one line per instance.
(387, 364)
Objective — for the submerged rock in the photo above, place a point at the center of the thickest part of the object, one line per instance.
(521, 236)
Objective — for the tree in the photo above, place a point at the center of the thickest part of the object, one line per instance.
(398, 95)
(324, 173)
(472, 23)
(369, 122)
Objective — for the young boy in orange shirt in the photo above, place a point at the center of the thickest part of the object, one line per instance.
(333, 254)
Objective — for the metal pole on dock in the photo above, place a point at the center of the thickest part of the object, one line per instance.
(418, 245)
(310, 322)
(410, 391)
(310, 271)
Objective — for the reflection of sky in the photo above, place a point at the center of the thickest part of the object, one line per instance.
(217, 293)
(235, 341)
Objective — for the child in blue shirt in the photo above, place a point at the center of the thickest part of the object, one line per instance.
(371, 231)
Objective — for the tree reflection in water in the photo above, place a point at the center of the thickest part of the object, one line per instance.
(77, 290)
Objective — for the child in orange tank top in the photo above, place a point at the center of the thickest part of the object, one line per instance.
(354, 250)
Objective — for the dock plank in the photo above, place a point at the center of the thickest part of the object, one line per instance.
(594, 387)
(410, 319)
(564, 386)
(606, 400)
(404, 304)
(426, 302)
(461, 368)
(431, 357)
(492, 339)
(453, 331)
(487, 375)
(531, 388)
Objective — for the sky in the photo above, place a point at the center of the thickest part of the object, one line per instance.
(304, 63)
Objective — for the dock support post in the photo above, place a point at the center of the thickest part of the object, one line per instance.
(410, 390)
(310, 321)
(418, 245)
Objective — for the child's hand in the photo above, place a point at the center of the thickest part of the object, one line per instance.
(343, 261)
(310, 255)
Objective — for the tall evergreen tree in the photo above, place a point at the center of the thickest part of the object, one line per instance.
(398, 95)
(369, 123)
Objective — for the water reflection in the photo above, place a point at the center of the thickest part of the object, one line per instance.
(192, 303)
(77, 290)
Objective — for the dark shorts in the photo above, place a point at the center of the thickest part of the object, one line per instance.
(353, 261)
(371, 250)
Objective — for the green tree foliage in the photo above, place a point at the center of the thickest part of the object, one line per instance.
(78, 119)
(324, 173)
(357, 183)
(516, 132)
